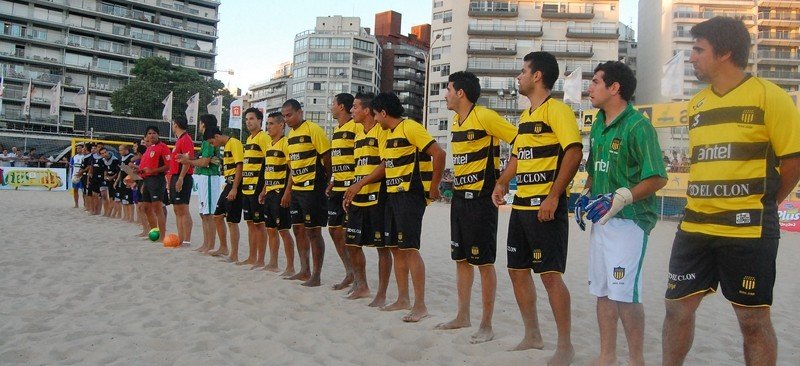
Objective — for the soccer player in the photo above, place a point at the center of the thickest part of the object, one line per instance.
(409, 148)
(75, 170)
(625, 171)
(209, 185)
(152, 166)
(744, 140)
(277, 218)
(365, 202)
(229, 203)
(342, 165)
(181, 181)
(255, 150)
(310, 170)
(477, 132)
(124, 193)
(94, 182)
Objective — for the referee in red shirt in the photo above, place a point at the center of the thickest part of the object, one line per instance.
(153, 165)
(181, 182)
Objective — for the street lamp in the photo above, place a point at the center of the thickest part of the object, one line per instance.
(427, 81)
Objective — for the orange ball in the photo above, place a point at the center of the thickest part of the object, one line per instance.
(172, 241)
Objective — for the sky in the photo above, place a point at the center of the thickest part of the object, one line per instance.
(257, 36)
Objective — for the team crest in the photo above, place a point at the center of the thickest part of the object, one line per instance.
(308, 217)
(399, 236)
(302, 139)
(748, 115)
(537, 128)
(371, 142)
(615, 144)
(394, 144)
(748, 282)
(471, 135)
(377, 235)
(152, 154)
(475, 251)
(537, 254)
(619, 273)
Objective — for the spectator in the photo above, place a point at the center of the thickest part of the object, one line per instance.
(13, 155)
(5, 159)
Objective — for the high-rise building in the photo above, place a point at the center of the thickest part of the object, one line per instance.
(272, 91)
(774, 26)
(403, 61)
(96, 44)
(490, 38)
(628, 47)
(337, 56)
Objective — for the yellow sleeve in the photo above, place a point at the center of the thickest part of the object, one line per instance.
(318, 138)
(498, 126)
(417, 135)
(265, 143)
(238, 152)
(565, 126)
(783, 123)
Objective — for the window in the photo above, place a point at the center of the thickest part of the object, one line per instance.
(445, 70)
(297, 88)
(442, 125)
(362, 75)
(438, 3)
(340, 57)
(447, 16)
(300, 72)
(363, 45)
(317, 71)
(301, 44)
(300, 58)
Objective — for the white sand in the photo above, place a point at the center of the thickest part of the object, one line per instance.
(82, 290)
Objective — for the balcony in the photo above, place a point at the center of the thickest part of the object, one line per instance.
(494, 68)
(593, 32)
(492, 30)
(493, 9)
(411, 100)
(487, 86)
(407, 87)
(410, 63)
(492, 48)
(783, 38)
(778, 18)
(587, 69)
(778, 57)
(694, 16)
(569, 50)
(409, 75)
(568, 11)
(783, 75)
(21, 55)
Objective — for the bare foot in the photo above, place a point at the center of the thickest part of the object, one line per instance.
(142, 234)
(562, 357)
(288, 272)
(246, 261)
(397, 305)
(312, 282)
(604, 360)
(271, 268)
(378, 302)
(529, 343)
(482, 335)
(416, 315)
(302, 276)
(200, 249)
(359, 292)
(453, 324)
(219, 253)
(348, 279)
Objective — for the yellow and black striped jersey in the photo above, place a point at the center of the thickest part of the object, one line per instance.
(736, 141)
(253, 169)
(368, 157)
(276, 166)
(342, 160)
(233, 154)
(407, 166)
(306, 144)
(543, 136)
(476, 150)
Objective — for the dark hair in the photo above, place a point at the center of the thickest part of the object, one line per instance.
(293, 103)
(725, 35)
(545, 63)
(346, 99)
(210, 132)
(618, 72)
(141, 149)
(152, 128)
(259, 114)
(181, 121)
(388, 102)
(101, 149)
(276, 115)
(208, 120)
(468, 82)
(365, 99)
(89, 146)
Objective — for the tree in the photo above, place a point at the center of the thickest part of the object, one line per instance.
(153, 79)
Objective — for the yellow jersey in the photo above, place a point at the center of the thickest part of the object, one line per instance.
(255, 150)
(306, 144)
(233, 154)
(407, 166)
(368, 157)
(276, 166)
(342, 160)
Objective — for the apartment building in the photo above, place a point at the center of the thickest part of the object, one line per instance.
(273, 92)
(94, 43)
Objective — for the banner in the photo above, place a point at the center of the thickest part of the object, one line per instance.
(55, 99)
(33, 179)
(166, 113)
(215, 108)
(26, 107)
(789, 215)
(235, 117)
(672, 79)
(192, 108)
(261, 106)
(572, 86)
(80, 100)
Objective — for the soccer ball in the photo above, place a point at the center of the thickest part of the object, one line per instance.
(154, 234)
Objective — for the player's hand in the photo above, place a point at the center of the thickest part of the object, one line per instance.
(145, 170)
(179, 184)
(261, 197)
(349, 195)
(434, 193)
(329, 189)
(606, 206)
(231, 195)
(499, 194)
(580, 208)
(286, 199)
(547, 209)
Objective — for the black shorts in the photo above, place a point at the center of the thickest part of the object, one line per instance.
(473, 230)
(154, 189)
(232, 210)
(403, 220)
(275, 216)
(540, 246)
(182, 197)
(94, 186)
(124, 195)
(365, 225)
(743, 267)
(251, 209)
(308, 208)
(336, 215)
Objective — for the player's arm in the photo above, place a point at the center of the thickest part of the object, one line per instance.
(501, 185)
(790, 175)
(326, 161)
(377, 174)
(438, 155)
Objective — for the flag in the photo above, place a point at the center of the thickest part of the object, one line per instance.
(80, 100)
(572, 86)
(192, 107)
(235, 117)
(2, 82)
(166, 114)
(55, 99)
(215, 108)
(26, 108)
(672, 79)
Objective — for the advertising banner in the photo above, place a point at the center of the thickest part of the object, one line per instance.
(33, 179)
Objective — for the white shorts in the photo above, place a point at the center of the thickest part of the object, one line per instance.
(616, 255)
(208, 190)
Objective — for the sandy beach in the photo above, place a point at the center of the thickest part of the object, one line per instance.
(84, 290)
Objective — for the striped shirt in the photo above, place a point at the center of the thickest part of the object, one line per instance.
(342, 160)
(233, 154)
(408, 168)
(368, 157)
(253, 169)
(306, 144)
(276, 168)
